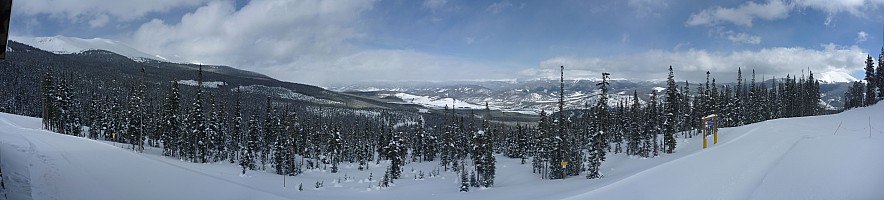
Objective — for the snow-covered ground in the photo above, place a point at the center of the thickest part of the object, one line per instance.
(823, 157)
(69, 45)
(433, 102)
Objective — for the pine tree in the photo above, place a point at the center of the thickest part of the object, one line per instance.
(235, 143)
(871, 82)
(879, 74)
(483, 157)
(134, 130)
(653, 124)
(397, 150)
(740, 108)
(247, 159)
(541, 146)
(169, 126)
(671, 113)
(49, 99)
(446, 156)
(598, 143)
(269, 133)
(197, 122)
(464, 181)
(635, 136)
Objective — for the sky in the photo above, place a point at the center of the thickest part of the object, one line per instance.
(346, 41)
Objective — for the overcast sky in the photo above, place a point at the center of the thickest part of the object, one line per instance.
(324, 42)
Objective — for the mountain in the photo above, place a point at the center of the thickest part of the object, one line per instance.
(834, 77)
(532, 96)
(71, 45)
(116, 72)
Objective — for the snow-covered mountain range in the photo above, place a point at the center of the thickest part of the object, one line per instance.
(70, 45)
(532, 96)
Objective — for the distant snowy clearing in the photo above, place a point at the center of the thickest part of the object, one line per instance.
(799, 158)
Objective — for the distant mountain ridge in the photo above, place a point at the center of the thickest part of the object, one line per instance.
(106, 66)
(532, 96)
(71, 45)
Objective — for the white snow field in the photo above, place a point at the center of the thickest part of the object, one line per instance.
(798, 158)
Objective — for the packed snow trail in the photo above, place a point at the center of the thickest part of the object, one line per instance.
(68, 167)
(797, 158)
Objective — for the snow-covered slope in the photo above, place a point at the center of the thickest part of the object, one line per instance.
(68, 45)
(823, 157)
(836, 77)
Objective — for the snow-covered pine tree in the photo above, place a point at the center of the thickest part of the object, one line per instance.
(634, 135)
(268, 137)
(214, 141)
(247, 157)
(464, 181)
(653, 124)
(70, 109)
(235, 143)
(169, 126)
(292, 131)
(598, 143)
(335, 149)
(197, 122)
(671, 113)
(522, 143)
(95, 117)
(879, 75)
(446, 155)
(871, 82)
(541, 146)
(739, 109)
(135, 112)
(397, 150)
(483, 157)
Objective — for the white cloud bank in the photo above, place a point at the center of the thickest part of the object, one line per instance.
(835, 62)
(96, 13)
(715, 18)
(307, 41)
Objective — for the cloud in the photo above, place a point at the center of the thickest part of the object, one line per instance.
(96, 12)
(861, 36)
(832, 8)
(742, 38)
(498, 7)
(742, 15)
(692, 64)
(434, 5)
(470, 40)
(306, 41)
(399, 65)
(645, 8)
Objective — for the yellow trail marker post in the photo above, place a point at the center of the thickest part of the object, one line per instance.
(710, 122)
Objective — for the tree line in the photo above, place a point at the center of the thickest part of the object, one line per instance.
(198, 124)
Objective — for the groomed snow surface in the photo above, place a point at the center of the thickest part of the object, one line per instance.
(799, 158)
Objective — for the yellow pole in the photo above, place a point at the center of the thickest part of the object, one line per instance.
(715, 132)
(704, 133)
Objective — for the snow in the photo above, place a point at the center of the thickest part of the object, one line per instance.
(69, 45)
(208, 84)
(436, 102)
(821, 157)
(659, 89)
(282, 92)
(835, 77)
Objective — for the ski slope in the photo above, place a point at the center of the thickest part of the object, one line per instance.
(798, 158)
